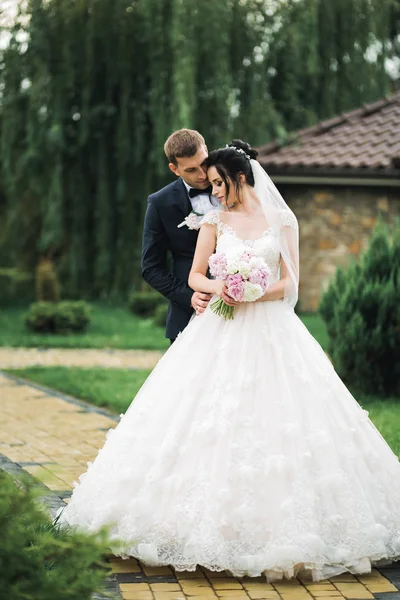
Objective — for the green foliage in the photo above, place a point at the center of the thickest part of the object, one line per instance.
(63, 317)
(332, 41)
(16, 287)
(47, 284)
(40, 560)
(111, 326)
(160, 315)
(88, 101)
(144, 304)
(361, 310)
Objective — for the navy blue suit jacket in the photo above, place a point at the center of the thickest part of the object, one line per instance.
(166, 209)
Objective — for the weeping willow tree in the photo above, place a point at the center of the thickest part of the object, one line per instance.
(90, 89)
(330, 57)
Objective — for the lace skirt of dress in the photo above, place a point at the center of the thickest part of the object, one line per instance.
(244, 451)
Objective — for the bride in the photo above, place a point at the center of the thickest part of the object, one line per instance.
(244, 451)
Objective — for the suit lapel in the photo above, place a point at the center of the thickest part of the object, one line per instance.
(181, 198)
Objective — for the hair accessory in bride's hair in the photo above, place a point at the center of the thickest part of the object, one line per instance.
(240, 150)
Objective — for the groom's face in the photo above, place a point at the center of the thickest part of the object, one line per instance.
(192, 169)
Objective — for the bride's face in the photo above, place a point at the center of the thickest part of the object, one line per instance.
(219, 188)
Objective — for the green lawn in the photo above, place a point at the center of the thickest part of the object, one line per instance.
(112, 327)
(385, 414)
(316, 327)
(115, 389)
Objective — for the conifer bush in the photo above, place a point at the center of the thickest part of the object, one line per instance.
(361, 309)
(39, 560)
(46, 281)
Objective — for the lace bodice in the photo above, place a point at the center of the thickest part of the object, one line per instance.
(267, 245)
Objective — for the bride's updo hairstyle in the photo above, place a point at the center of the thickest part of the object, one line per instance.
(231, 162)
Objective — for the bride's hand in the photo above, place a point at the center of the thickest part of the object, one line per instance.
(221, 291)
(227, 299)
(219, 286)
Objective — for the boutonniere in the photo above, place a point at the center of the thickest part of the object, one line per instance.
(192, 221)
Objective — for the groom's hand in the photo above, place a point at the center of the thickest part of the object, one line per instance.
(200, 301)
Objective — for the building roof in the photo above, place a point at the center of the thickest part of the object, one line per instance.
(361, 142)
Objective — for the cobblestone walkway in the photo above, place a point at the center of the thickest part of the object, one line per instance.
(16, 358)
(52, 437)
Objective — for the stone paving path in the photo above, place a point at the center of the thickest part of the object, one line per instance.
(15, 358)
(52, 437)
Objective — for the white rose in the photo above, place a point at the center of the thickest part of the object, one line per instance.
(252, 291)
(232, 267)
(244, 269)
(193, 221)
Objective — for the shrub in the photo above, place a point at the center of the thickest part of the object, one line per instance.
(160, 315)
(39, 560)
(46, 280)
(361, 310)
(62, 317)
(144, 304)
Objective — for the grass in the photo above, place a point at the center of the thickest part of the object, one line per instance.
(385, 414)
(115, 388)
(316, 327)
(112, 327)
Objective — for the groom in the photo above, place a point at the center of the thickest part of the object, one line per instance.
(186, 152)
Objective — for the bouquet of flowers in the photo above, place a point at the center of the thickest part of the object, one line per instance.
(246, 276)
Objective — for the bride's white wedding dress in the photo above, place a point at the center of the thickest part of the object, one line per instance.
(244, 451)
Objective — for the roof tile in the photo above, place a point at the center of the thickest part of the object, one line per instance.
(368, 137)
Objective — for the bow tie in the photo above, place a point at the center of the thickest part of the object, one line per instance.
(195, 192)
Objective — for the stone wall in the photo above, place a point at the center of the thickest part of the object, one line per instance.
(335, 225)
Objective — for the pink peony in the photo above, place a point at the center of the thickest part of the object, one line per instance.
(255, 276)
(235, 285)
(259, 277)
(217, 263)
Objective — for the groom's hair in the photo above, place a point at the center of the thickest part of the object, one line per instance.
(182, 143)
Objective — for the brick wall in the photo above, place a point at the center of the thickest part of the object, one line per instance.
(335, 225)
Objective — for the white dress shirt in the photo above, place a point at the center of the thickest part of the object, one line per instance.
(201, 203)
